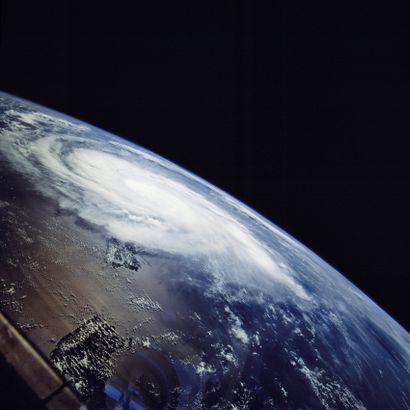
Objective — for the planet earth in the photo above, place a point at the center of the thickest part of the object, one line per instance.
(148, 288)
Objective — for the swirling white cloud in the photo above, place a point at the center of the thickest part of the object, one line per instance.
(130, 194)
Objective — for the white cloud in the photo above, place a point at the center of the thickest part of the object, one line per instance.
(136, 196)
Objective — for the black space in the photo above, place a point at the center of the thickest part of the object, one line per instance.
(297, 109)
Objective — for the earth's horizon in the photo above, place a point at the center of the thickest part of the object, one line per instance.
(148, 287)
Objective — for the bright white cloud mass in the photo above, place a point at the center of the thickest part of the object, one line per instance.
(135, 196)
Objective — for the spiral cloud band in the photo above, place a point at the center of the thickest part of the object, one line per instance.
(135, 195)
